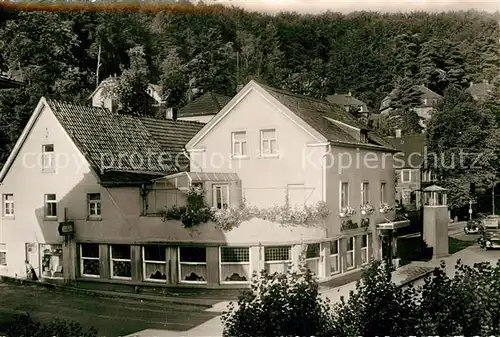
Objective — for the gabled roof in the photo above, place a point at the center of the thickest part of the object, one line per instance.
(411, 150)
(479, 90)
(345, 100)
(207, 104)
(323, 120)
(425, 92)
(6, 82)
(122, 144)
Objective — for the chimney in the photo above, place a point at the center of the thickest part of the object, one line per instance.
(174, 113)
(169, 113)
(398, 133)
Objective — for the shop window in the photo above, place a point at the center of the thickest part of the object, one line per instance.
(334, 257)
(364, 249)
(350, 253)
(312, 257)
(155, 263)
(52, 261)
(89, 260)
(120, 262)
(193, 264)
(235, 264)
(3, 254)
(277, 259)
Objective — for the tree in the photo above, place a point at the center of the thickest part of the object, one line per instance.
(279, 304)
(462, 140)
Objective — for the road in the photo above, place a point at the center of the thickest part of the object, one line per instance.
(112, 317)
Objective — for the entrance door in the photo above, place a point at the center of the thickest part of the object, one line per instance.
(33, 256)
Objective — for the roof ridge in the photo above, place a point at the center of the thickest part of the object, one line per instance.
(172, 120)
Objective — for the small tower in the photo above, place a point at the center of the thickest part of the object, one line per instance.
(436, 219)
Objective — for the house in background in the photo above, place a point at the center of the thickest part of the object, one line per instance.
(349, 103)
(479, 91)
(99, 173)
(428, 102)
(203, 108)
(10, 80)
(411, 175)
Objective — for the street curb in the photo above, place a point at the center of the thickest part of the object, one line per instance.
(108, 294)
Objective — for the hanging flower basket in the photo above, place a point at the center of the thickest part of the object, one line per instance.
(347, 212)
(384, 208)
(367, 209)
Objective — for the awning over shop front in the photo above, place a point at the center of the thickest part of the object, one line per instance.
(184, 180)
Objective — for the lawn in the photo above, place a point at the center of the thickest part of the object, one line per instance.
(456, 245)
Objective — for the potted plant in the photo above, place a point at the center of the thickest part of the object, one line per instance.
(384, 208)
(346, 212)
(367, 209)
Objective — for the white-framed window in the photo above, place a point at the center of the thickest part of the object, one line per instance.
(334, 257)
(121, 266)
(350, 253)
(364, 249)
(383, 192)
(277, 258)
(154, 263)
(193, 264)
(406, 176)
(220, 196)
(344, 194)
(313, 253)
(365, 193)
(48, 157)
(50, 206)
(89, 260)
(268, 143)
(3, 254)
(239, 144)
(94, 205)
(8, 205)
(235, 264)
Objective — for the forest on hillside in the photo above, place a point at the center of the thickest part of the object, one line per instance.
(215, 48)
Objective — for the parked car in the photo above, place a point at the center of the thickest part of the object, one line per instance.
(489, 239)
(472, 227)
(491, 221)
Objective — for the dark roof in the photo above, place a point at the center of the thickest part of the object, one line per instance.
(172, 135)
(321, 116)
(425, 93)
(479, 90)
(408, 145)
(345, 100)
(121, 178)
(6, 83)
(115, 142)
(207, 104)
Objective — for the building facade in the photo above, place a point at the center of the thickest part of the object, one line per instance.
(80, 205)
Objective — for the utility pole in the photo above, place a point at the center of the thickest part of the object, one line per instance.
(98, 65)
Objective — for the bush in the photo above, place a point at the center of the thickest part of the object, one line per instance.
(24, 326)
(279, 305)
(466, 304)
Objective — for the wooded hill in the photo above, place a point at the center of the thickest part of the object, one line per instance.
(214, 48)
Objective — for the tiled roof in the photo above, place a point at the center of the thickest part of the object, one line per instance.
(479, 90)
(425, 92)
(344, 100)
(207, 104)
(320, 115)
(172, 135)
(110, 141)
(408, 145)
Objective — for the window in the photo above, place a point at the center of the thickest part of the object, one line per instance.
(427, 176)
(89, 260)
(344, 194)
(239, 144)
(52, 261)
(221, 196)
(334, 257)
(48, 158)
(406, 197)
(8, 205)
(3, 254)
(94, 205)
(312, 257)
(277, 259)
(155, 263)
(120, 262)
(364, 249)
(350, 253)
(268, 143)
(193, 264)
(383, 192)
(364, 193)
(405, 176)
(50, 206)
(235, 264)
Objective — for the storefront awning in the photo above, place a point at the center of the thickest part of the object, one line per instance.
(394, 224)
